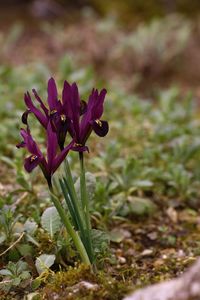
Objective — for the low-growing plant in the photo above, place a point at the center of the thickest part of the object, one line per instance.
(67, 118)
(15, 275)
(153, 48)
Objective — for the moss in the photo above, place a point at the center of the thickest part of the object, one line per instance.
(67, 285)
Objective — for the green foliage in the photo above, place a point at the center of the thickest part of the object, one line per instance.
(149, 161)
(44, 262)
(14, 275)
(155, 48)
(50, 221)
(8, 220)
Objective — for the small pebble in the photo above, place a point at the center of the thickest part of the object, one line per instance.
(122, 260)
(147, 252)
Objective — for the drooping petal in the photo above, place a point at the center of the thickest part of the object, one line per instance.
(52, 94)
(100, 127)
(21, 145)
(32, 108)
(31, 162)
(25, 116)
(29, 143)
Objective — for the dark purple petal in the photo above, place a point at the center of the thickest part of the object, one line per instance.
(75, 108)
(21, 145)
(61, 156)
(100, 127)
(41, 102)
(97, 109)
(87, 117)
(52, 144)
(52, 94)
(31, 162)
(41, 118)
(30, 144)
(25, 116)
(66, 98)
(83, 107)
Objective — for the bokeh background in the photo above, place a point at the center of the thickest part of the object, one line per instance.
(137, 45)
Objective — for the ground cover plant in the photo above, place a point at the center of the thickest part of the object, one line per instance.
(142, 178)
(143, 203)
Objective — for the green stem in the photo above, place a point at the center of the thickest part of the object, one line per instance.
(73, 195)
(85, 205)
(74, 235)
(70, 181)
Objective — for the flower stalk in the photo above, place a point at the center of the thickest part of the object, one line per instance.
(85, 206)
(73, 234)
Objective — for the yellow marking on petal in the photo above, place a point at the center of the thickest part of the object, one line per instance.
(53, 112)
(98, 122)
(63, 118)
(33, 158)
(78, 145)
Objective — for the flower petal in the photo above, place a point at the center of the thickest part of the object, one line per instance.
(31, 162)
(29, 143)
(97, 109)
(52, 94)
(41, 102)
(100, 127)
(52, 144)
(61, 156)
(41, 118)
(25, 116)
(83, 107)
(66, 98)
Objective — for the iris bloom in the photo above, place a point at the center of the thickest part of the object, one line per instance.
(81, 128)
(65, 115)
(54, 159)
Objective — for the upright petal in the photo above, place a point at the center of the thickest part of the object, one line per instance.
(52, 144)
(75, 106)
(41, 102)
(66, 99)
(61, 156)
(97, 109)
(52, 94)
(85, 126)
(32, 108)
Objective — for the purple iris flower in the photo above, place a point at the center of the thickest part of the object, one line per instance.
(69, 114)
(54, 113)
(81, 128)
(54, 159)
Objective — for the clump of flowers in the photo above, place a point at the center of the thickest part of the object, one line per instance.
(67, 119)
